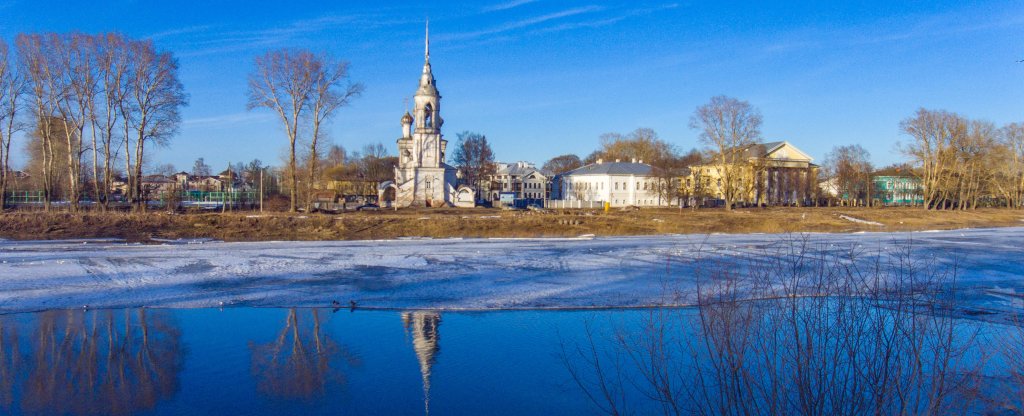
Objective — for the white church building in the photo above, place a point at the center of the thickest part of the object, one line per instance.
(422, 178)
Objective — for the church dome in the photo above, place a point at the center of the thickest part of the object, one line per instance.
(407, 118)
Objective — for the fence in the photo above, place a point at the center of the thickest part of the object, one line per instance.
(25, 197)
(211, 199)
(567, 204)
(177, 199)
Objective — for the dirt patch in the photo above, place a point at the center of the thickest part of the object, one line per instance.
(485, 223)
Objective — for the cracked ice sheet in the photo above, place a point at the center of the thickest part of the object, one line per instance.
(452, 274)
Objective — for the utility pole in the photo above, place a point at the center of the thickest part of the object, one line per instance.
(261, 191)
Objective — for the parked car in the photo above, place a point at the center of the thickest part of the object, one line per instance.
(368, 207)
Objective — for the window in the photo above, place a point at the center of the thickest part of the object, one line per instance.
(616, 186)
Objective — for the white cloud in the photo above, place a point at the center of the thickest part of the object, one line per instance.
(521, 23)
(507, 5)
(200, 40)
(229, 119)
(178, 32)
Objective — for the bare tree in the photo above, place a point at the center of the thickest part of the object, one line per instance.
(155, 96)
(803, 328)
(331, 91)
(1011, 180)
(76, 79)
(932, 150)
(727, 126)
(200, 168)
(474, 157)
(375, 163)
(976, 162)
(38, 69)
(850, 169)
(112, 61)
(284, 81)
(561, 164)
(12, 88)
(960, 161)
(642, 144)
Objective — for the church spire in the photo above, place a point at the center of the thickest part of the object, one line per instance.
(427, 79)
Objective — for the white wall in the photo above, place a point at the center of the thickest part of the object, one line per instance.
(618, 190)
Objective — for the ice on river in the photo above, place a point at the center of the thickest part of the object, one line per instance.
(452, 273)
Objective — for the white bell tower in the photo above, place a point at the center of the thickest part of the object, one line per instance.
(422, 177)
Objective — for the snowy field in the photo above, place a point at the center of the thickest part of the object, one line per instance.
(453, 273)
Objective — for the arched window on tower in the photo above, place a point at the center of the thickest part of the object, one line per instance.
(428, 116)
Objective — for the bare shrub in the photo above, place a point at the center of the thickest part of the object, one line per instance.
(802, 328)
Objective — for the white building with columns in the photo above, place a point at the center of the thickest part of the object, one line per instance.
(422, 178)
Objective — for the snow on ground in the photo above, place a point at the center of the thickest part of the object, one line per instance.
(860, 221)
(451, 273)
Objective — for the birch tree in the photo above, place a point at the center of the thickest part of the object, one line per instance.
(113, 65)
(284, 82)
(154, 97)
(1011, 137)
(37, 68)
(931, 149)
(331, 91)
(76, 82)
(12, 87)
(726, 127)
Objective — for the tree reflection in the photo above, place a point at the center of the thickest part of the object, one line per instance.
(423, 326)
(300, 362)
(8, 363)
(103, 362)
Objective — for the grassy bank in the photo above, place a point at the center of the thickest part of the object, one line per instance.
(487, 223)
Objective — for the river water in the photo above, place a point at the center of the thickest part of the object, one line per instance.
(288, 361)
(302, 361)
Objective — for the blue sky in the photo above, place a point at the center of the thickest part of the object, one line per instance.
(542, 78)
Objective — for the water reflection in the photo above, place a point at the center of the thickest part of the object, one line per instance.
(423, 327)
(302, 360)
(8, 363)
(258, 361)
(96, 362)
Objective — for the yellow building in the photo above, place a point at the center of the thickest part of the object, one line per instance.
(775, 173)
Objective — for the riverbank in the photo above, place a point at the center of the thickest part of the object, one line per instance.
(486, 223)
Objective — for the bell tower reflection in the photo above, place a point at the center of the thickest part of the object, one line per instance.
(423, 326)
